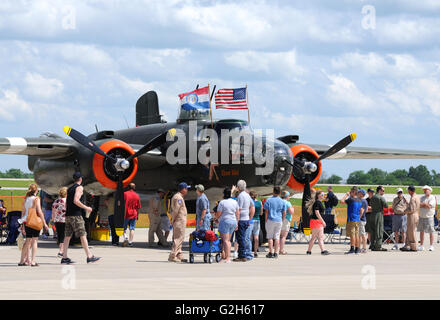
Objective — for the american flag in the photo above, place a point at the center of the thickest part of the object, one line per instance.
(231, 99)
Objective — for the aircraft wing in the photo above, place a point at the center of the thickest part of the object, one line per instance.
(44, 147)
(375, 153)
(150, 160)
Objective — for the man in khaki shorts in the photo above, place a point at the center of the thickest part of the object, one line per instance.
(399, 218)
(178, 220)
(412, 213)
(75, 221)
(354, 205)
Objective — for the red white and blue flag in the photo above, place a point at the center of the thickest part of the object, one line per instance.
(231, 99)
(197, 99)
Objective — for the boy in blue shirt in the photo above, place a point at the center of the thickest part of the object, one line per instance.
(354, 205)
(275, 213)
(362, 231)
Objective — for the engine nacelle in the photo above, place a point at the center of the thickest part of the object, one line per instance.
(104, 169)
(297, 180)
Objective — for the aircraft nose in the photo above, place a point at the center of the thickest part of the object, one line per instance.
(282, 170)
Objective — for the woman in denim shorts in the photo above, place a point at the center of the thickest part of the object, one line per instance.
(256, 221)
(227, 214)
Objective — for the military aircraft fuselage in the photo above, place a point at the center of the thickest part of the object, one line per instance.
(156, 171)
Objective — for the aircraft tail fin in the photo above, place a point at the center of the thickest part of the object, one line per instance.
(147, 109)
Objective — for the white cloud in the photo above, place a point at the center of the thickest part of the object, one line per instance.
(85, 55)
(343, 92)
(41, 87)
(263, 24)
(162, 63)
(11, 105)
(137, 85)
(284, 63)
(407, 31)
(226, 23)
(119, 50)
(388, 65)
(405, 102)
(428, 92)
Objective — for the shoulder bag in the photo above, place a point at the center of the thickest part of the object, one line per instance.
(33, 221)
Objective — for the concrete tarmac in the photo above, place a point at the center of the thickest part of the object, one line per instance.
(144, 273)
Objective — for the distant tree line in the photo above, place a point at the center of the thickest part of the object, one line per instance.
(16, 173)
(417, 176)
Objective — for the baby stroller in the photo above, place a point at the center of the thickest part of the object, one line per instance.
(201, 242)
(13, 226)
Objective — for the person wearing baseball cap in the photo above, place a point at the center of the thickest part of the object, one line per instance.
(203, 216)
(428, 204)
(182, 186)
(412, 218)
(178, 220)
(399, 218)
(363, 217)
(74, 221)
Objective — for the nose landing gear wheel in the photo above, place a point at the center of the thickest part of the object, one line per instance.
(218, 257)
(191, 258)
(205, 258)
(210, 258)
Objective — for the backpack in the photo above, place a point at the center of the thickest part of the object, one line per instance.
(210, 235)
(334, 201)
(198, 235)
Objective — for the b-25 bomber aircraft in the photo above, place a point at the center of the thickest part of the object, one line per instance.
(109, 160)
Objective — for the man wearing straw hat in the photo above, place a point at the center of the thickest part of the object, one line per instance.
(399, 218)
(428, 204)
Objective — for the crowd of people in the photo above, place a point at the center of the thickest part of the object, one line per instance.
(365, 218)
(67, 215)
(239, 218)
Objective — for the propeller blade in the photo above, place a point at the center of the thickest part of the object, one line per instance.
(119, 212)
(153, 143)
(297, 164)
(85, 142)
(306, 197)
(337, 147)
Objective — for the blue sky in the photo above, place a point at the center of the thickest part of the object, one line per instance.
(312, 67)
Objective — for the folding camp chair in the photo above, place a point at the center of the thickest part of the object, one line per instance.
(437, 227)
(388, 234)
(330, 228)
(13, 226)
(293, 233)
(3, 231)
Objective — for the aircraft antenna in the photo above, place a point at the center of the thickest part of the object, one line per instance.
(210, 108)
(96, 127)
(212, 94)
(128, 127)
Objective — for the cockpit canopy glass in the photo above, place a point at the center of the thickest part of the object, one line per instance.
(240, 125)
(195, 114)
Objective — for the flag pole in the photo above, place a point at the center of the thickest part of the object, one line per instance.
(247, 102)
(210, 109)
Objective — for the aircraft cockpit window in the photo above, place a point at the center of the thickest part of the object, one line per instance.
(233, 125)
(195, 114)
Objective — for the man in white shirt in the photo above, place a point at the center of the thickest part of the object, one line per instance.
(428, 204)
(244, 232)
